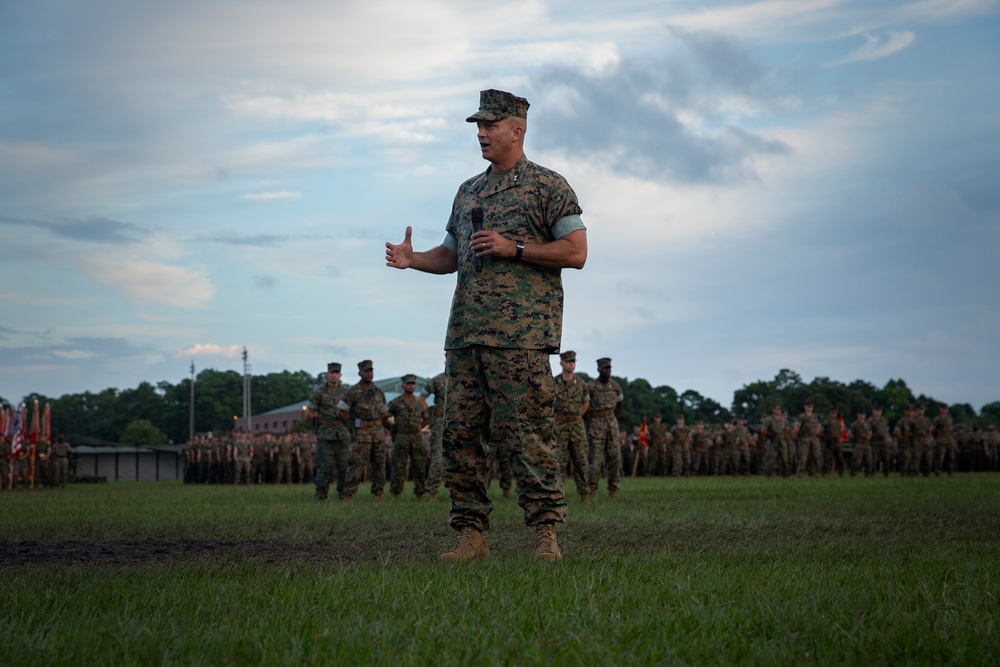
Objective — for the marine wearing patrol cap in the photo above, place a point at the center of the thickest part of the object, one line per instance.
(408, 378)
(365, 365)
(603, 362)
(568, 355)
(497, 104)
(333, 367)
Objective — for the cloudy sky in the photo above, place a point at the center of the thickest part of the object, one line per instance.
(803, 184)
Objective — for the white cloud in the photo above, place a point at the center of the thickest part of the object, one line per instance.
(272, 196)
(149, 282)
(211, 350)
(877, 47)
(73, 354)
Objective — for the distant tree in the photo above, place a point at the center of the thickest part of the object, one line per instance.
(962, 413)
(142, 432)
(991, 413)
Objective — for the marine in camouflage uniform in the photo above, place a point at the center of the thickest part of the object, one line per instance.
(904, 437)
(923, 442)
(881, 442)
(727, 443)
(944, 442)
(409, 417)
(286, 452)
(700, 445)
(810, 456)
(60, 462)
(606, 400)
(438, 387)
(833, 448)
(776, 455)
(861, 436)
(365, 404)
(512, 230)
(682, 437)
(572, 399)
(659, 441)
(333, 439)
(242, 453)
(742, 446)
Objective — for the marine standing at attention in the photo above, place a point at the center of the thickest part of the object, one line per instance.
(365, 403)
(572, 402)
(333, 439)
(606, 400)
(511, 231)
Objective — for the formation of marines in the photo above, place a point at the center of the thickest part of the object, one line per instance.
(591, 446)
(358, 436)
(813, 445)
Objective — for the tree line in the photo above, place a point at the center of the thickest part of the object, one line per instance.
(159, 414)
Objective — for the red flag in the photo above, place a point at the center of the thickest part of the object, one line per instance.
(47, 423)
(644, 434)
(843, 430)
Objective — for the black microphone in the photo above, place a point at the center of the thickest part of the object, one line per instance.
(477, 226)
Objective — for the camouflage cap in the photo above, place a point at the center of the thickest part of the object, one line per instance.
(408, 378)
(497, 105)
(568, 355)
(333, 367)
(365, 365)
(603, 362)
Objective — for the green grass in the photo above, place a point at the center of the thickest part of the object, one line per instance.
(691, 571)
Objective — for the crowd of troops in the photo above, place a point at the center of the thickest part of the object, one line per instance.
(814, 445)
(359, 436)
(48, 469)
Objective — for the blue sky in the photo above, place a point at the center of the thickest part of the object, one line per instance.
(804, 184)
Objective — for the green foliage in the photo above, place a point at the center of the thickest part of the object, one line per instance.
(142, 432)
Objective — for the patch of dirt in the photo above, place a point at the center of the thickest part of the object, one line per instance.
(137, 552)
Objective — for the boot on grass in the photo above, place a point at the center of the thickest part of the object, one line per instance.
(546, 547)
(471, 545)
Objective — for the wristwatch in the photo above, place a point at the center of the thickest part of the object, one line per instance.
(520, 250)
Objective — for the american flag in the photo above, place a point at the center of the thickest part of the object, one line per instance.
(15, 446)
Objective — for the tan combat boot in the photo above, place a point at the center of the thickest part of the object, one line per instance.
(377, 499)
(584, 498)
(613, 493)
(471, 545)
(546, 547)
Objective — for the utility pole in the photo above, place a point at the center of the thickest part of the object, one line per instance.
(247, 416)
(191, 419)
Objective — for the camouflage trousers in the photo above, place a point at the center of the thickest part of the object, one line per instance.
(572, 439)
(700, 464)
(682, 460)
(435, 467)
(810, 456)
(60, 471)
(516, 388)
(408, 450)
(500, 465)
(605, 451)
(284, 471)
(861, 459)
(833, 458)
(881, 456)
(776, 458)
(242, 471)
(368, 449)
(332, 461)
(944, 458)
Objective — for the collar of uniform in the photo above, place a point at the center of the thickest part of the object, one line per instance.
(510, 180)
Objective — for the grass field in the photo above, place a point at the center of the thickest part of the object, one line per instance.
(691, 571)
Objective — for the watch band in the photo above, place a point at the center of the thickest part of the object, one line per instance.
(520, 249)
